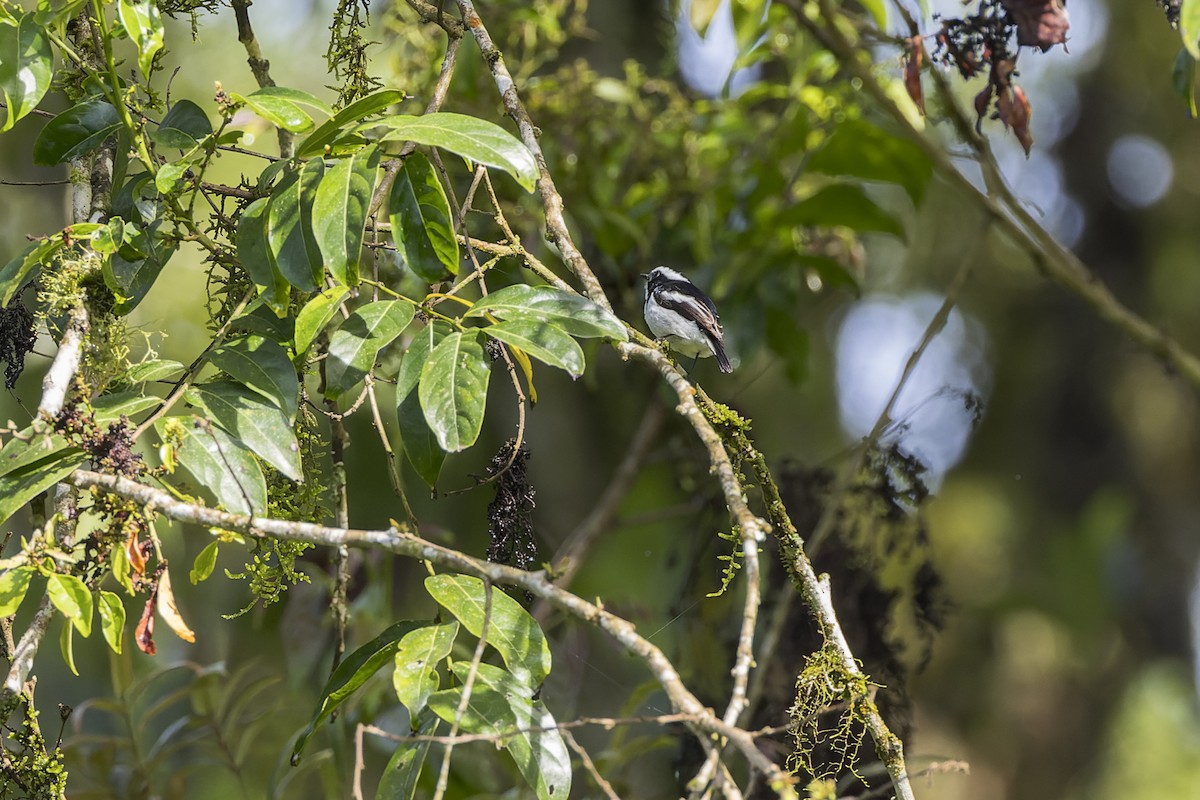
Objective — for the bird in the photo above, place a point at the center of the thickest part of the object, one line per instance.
(679, 312)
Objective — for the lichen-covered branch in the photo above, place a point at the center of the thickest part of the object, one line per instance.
(403, 543)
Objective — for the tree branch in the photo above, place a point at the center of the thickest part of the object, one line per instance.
(408, 545)
(260, 67)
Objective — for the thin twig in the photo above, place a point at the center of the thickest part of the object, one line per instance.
(552, 202)
(589, 766)
(260, 67)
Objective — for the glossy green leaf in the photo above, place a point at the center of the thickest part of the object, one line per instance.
(144, 26)
(542, 341)
(73, 599)
(110, 408)
(75, 132)
(21, 485)
(170, 177)
(1189, 26)
(28, 447)
(264, 366)
(297, 96)
(255, 255)
(418, 441)
(21, 269)
(403, 771)
(536, 746)
(290, 240)
(184, 126)
(14, 583)
(157, 369)
(572, 313)
(315, 315)
(112, 619)
(254, 421)
(453, 390)
(325, 133)
(422, 222)
(66, 645)
(417, 658)
(279, 107)
(1183, 78)
(131, 278)
(352, 673)
(354, 346)
(481, 141)
(26, 67)
(223, 466)
(340, 212)
(259, 317)
(842, 205)
(110, 238)
(206, 561)
(512, 630)
(861, 150)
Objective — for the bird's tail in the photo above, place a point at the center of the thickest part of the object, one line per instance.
(722, 359)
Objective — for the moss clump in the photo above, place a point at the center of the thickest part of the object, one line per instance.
(828, 718)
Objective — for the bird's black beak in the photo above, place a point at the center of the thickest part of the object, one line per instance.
(645, 276)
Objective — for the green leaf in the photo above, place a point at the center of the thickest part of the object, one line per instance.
(293, 248)
(572, 313)
(29, 446)
(169, 178)
(260, 318)
(111, 237)
(418, 441)
(422, 222)
(315, 315)
(144, 26)
(73, 599)
(545, 343)
(417, 658)
(512, 631)
(255, 254)
(842, 205)
(110, 408)
(154, 370)
(352, 673)
(14, 583)
(453, 390)
(279, 107)
(66, 645)
(481, 141)
(861, 150)
(537, 747)
(184, 126)
(206, 561)
(20, 270)
(21, 485)
(1183, 77)
(112, 619)
(340, 212)
(418, 351)
(355, 344)
(75, 132)
(403, 771)
(222, 465)
(878, 13)
(260, 425)
(131, 280)
(1189, 26)
(297, 96)
(26, 67)
(374, 103)
(264, 366)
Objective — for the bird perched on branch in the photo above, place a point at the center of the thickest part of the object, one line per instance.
(677, 311)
